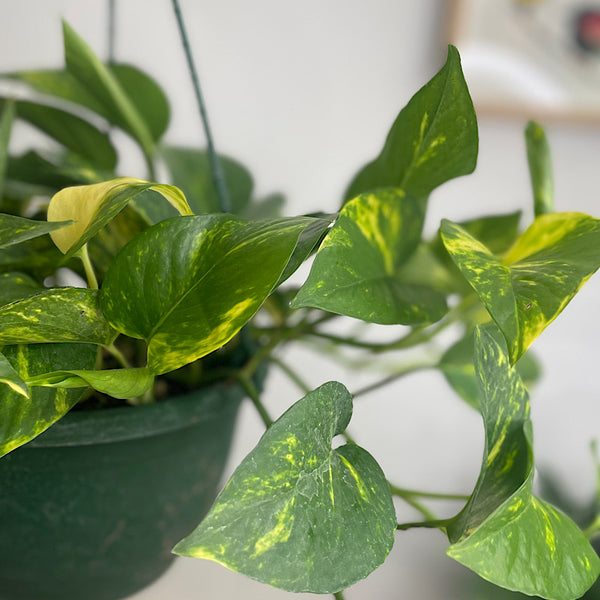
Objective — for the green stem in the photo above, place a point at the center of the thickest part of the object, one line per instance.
(427, 514)
(339, 595)
(217, 171)
(292, 375)
(253, 394)
(89, 269)
(593, 529)
(118, 355)
(394, 377)
(404, 493)
(431, 524)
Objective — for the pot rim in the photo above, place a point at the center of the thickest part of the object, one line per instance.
(105, 426)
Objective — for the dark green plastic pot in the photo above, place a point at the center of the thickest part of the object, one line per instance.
(91, 509)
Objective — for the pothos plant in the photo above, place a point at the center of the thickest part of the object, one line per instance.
(173, 284)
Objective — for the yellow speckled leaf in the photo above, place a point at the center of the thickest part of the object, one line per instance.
(297, 514)
(23, 418)
(505, 534)
(357, 270)
(55, 315)
(187, 285)
(529, 287)
(91, 207)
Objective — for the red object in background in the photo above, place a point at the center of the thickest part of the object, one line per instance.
(587, 30)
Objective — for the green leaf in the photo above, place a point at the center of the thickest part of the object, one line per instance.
(55, 315)
(48, 173)
(504, 533)
(73, 132)
(147, 96)
(15, 286)
(149, 100)
(540, 168)
(21, 419)
(538, 277)
(192, 172)
(433, 139)
(99, 82)
(9, 377)
(38, 256)
(15, 230)
(355, 272)
(6, 121)
(457, 365)
(297, 514)
(187, 285)
(91, 207)
(307, 242)
(118, 383)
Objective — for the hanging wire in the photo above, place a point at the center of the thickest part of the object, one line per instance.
(217, 172)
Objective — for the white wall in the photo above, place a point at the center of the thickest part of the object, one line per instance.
(303, 94)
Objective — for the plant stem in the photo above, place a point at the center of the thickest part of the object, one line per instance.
(339, 595)
(593, 529)
(89, 269)
(301, 384)
(432, 524)
(404, 493)
(253, 394)
(394, 377)
(427, 514)
(118, 355)
(217, 172)
(111, 31)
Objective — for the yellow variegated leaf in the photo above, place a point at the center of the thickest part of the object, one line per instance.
(91, 207)
(529, 287)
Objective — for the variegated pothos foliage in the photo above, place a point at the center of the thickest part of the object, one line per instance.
(297, 514)
(505, 533)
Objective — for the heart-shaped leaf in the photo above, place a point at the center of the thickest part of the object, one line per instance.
(355, 272)
(118, 383)
(55, 315)
(91, 207)
(15, 230)
(9, 377)
(73, 132)
(528, 289)
(458, 366)
(22, 419)
(540, 168)
(504, 533)
(188, 285)
(15, 286)
(433, 139)
(297, 514)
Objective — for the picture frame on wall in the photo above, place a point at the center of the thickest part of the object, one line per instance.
(530, 58)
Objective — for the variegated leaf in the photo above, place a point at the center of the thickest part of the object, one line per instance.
(504, 533)
(118, 383)
(297, 514)
(458, 366)
(55, 315)
(10, 378)
(187, 285)
(433, 139)
(22, 419)
(355, 272)
(15, 286)
(15, 230)
(540, 169)
(91, 207)
(527, 289)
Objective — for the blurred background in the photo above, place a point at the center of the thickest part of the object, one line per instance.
(303, 94)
